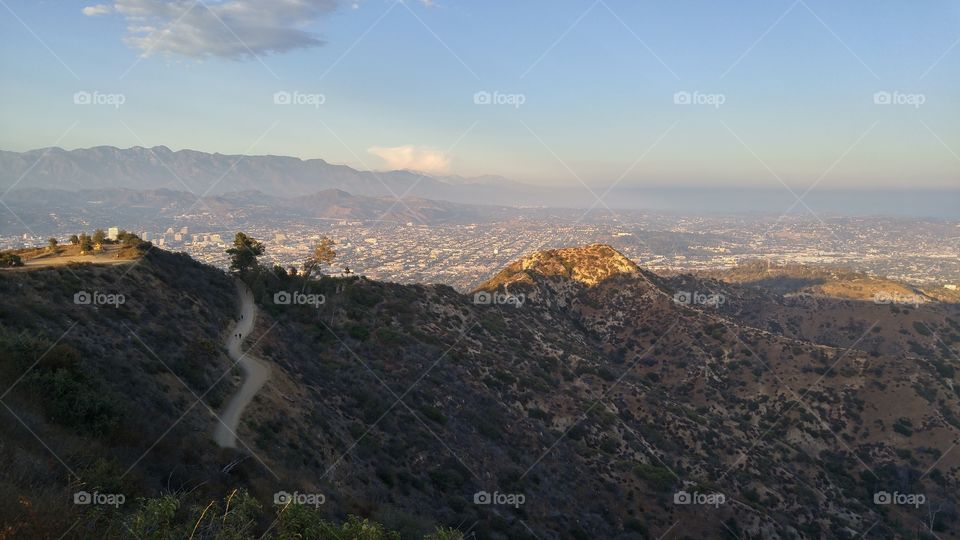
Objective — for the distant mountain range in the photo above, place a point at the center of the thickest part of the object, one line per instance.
(205, 174)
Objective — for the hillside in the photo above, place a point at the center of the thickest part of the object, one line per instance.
(836, 306)
(588, 394)
(797, 279)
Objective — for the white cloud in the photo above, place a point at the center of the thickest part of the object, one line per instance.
(415, 158)
(236, 29)
(98, 9)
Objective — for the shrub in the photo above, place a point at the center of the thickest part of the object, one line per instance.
(358, 332)
(922, 328)
(8, 260)
(659, 478)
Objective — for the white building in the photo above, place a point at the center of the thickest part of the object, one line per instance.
(113, 233)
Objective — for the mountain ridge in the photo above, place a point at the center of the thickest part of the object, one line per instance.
(205, 173)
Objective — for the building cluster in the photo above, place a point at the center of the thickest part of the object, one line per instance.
(464, 255)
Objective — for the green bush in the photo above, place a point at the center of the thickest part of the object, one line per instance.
(66, 393)
(239, 517)
(8, 260)
(659, 478)
(358, 332)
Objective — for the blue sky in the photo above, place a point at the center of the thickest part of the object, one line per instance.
(642, 93)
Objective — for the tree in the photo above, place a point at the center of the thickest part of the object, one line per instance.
(74, 239)
(244, 253)
(85, 243)
(128, 238)
(99, 236)
(52, 243)
(8, 259)
(323, 254)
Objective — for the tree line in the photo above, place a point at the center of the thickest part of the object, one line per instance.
(246, 250)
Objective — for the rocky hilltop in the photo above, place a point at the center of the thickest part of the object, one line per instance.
(588, 265)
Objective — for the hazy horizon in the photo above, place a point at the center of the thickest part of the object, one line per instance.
(661, 185)
(681, 95)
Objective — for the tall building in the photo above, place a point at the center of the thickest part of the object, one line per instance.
(113, 233)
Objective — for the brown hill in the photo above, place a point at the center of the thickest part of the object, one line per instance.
(610, 399)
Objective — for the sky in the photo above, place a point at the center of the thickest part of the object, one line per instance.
(757, 93)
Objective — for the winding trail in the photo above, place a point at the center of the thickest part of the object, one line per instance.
(256, 371)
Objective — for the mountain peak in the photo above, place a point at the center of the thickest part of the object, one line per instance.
(588, 265)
